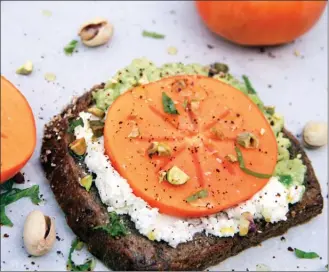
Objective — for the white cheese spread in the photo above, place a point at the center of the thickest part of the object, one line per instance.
(271, 203)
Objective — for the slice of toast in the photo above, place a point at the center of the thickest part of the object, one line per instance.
(84, 210)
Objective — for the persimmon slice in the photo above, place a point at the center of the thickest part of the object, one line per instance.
(205, 106)
(18, 133)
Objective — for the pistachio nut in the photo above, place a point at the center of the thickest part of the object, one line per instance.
(25, 69)
(315, 134)
(96, 112)
(247, 140)
(39, 233)
(79, 146)
(95, 32)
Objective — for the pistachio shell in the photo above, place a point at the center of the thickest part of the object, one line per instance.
(39, 233)
(96, 32)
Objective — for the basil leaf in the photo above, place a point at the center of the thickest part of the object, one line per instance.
(198, 195)
(89, 265)
(13, 195)
(4, 220)
(75, 123)
(115, 227)
(153, 35)
(69, 48)
(16, 194)
(168, 104)
(8, 185)
(249, 87)
(285, 179)
(305, 255)
(246, 170)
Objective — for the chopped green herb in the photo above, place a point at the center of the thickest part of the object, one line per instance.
(4, 220)
(69, 48)
(74, 123)
(115, 227)
(285, 179)
(14, 194)
(198, 195)
(250, 88)
(89, 265)
(246, 170)
(305, 255)
(168, 104)
(8, 185)
(153, 35)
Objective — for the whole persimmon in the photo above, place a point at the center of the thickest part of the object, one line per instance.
(260, 22)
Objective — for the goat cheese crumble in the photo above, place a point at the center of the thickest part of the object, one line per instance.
(271, 203)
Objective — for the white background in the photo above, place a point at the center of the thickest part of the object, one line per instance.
(298, 89)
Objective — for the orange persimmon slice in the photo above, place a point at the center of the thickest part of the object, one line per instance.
(210, 116)
(18, 132)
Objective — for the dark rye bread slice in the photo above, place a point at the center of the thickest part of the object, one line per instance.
(84, 211)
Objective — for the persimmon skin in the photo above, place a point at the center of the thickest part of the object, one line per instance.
(255, 23)
(18, 131)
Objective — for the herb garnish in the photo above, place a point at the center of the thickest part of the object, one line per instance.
(12, 195)
(74, 123)
(153, 35)
(69, 48)
(246, 170)
(305, 255)
(168, 104)
(285, 179)
(89, 265)
(250, 88)
(200, 194)
(115, 227)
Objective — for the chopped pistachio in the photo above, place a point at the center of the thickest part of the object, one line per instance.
(134, 132)
(162, 176)
(96, 112)
(270, 109)
(151, 235)
(231, 158)
(160, 149)
(221, 67)
(244, 224)
(97, 127)
(248, 140)
(176, 176)
(185, 102)
(47, 13)
(217, 133)
(172, 50)
(86, 182)
(195, 105)
(25, 69)
(79, 146)
(50, 77)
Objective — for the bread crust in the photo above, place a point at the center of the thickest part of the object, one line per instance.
(84, 210)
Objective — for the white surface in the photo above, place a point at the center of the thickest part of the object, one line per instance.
(299, 90)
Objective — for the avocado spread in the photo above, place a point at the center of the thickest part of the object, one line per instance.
(142, 71)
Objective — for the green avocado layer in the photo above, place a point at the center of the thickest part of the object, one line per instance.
(142, 71)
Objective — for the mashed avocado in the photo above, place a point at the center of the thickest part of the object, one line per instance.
(142, 71)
